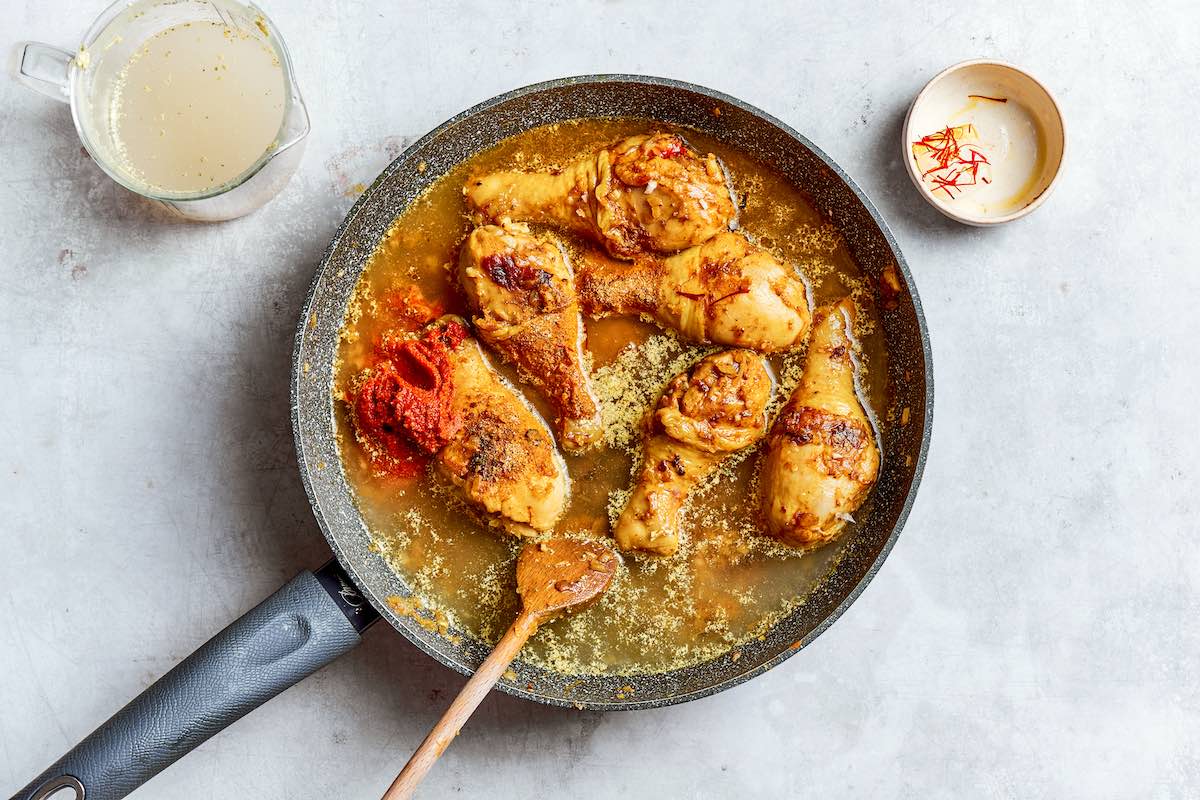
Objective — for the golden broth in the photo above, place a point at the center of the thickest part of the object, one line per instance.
(727, 584)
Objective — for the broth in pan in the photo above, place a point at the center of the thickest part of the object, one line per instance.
(727, 583)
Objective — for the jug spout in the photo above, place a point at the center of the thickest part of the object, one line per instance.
(296, 124)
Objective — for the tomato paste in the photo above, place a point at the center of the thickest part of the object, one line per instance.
(403, 402)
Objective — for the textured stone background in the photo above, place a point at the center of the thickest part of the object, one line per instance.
(1034, 634)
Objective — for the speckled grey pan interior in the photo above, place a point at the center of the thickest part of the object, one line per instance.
(910, 383)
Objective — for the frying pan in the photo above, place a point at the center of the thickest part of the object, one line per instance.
(319, 615)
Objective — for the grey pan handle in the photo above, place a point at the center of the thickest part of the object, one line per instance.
(290, 635)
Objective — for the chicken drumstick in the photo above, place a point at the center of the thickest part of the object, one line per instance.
(521, 290)
(706, 413)
(726, 291)
(645, 193)
(822, 458)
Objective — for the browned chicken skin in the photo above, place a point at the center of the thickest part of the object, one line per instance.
(726, 291)
(822, 458)
(643, 194)
(521, 291)
(502, 459)
(706, 413)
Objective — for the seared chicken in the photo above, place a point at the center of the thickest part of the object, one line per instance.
(502, 458)
(714, 409)
(822, 458)
(523, 296)
(726, 291)
(645, 193)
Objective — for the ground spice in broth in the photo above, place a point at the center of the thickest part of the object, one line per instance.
(727, 584)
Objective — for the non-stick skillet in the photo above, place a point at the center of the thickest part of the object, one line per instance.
(319, 616)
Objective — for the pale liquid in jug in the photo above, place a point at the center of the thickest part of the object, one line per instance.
(197, 105)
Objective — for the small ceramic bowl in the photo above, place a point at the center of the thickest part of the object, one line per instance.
(1006, 142)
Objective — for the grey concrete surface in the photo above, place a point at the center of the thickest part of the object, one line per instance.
(1035, 633)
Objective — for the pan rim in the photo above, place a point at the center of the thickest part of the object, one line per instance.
(306, 469)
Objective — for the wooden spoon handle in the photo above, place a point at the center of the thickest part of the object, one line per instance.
(463, 706)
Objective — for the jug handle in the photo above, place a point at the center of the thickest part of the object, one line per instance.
(45, 69)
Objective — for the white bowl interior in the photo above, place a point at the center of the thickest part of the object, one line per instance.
(1028, 102)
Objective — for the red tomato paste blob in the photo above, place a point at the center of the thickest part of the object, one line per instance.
(403, 402)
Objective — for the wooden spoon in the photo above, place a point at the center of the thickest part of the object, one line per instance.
(552, 577)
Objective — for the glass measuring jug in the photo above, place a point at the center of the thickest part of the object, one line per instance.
(190, 103)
